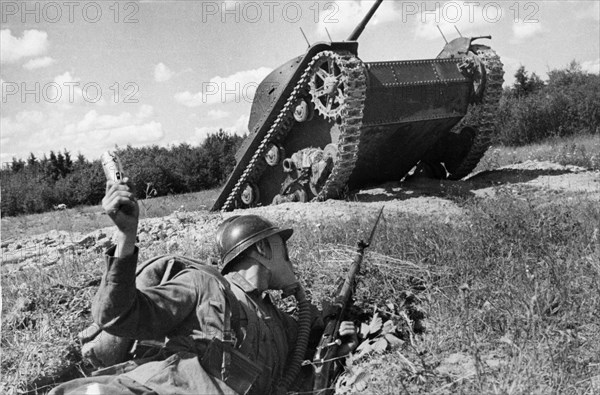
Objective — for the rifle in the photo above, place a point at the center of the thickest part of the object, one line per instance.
(324, 367)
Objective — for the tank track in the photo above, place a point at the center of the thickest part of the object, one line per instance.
(482, 115)
(353, 70)
(350, 129)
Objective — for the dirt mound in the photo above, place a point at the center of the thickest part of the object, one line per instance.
(435, 199)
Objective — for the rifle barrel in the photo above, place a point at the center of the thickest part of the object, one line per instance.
(361, 26)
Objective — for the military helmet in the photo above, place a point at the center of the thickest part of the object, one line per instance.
(236, 234)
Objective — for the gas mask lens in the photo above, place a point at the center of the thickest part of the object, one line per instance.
(273, 248)
(263, 247)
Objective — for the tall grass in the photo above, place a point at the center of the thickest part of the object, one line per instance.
(514, 286)
(580, 150)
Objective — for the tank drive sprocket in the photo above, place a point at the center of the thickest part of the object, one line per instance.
(463, 147)
(351, 73)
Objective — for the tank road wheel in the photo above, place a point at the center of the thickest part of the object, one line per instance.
(304, 111)
(274, 155)
(250, 195)
(462, 148)
(328, 86)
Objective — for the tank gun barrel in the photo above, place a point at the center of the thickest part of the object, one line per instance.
(361, 26)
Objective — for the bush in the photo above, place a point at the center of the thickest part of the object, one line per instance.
(37, 186)
(569, 104)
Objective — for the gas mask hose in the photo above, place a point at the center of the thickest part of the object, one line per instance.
(304, 319)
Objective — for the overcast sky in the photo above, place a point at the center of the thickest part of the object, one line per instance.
(84, 76)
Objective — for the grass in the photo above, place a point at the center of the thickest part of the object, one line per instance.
(90, 218)
(581, 150)
(506, 301)
(520, 284)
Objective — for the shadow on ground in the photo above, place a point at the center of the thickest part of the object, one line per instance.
(418, 186)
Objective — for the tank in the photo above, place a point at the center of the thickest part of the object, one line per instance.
(326, 123)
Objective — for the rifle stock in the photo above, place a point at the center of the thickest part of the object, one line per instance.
(324, 366)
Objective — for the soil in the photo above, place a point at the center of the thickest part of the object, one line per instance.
(428, 197)
(432, 199)
(414, 195)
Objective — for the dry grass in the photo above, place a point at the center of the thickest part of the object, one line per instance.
(515, 294)
(580, 150)
(90, 218)
(510, 296)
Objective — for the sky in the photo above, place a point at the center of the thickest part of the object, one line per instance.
(84, 76)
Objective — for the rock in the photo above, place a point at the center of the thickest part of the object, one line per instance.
(87, 241)
(457, 365)
(172, 246)
(50, 242)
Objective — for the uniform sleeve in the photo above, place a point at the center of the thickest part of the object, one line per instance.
(149, 313)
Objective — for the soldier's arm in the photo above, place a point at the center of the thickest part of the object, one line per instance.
(154, 312)
(149, 313)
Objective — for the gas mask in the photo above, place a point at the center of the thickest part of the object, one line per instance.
(272, 253)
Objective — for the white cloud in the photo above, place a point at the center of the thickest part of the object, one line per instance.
(591, 66)
(40, 132)
(150, 132)
(341, 17)
(217, 114)
(92, 121)
(592, 11)
(162, 73)
(39, 63)
(523, 30)
(20, 124)
(239, 127)
(595, 10)
(238, 87)
(12, 49)
(145, 111)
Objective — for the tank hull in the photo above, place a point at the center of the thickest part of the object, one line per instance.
(381, 119)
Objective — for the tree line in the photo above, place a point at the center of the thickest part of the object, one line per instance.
(38, 184)
(531, 110)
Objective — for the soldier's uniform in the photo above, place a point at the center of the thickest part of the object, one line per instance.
(189, 309)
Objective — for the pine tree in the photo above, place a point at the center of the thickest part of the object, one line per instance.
(52, 168)
(526, 85)
(32, 160)
(17, 165)
(60, 164)
(68, 162)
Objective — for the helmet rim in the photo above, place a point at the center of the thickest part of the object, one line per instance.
(242, 245)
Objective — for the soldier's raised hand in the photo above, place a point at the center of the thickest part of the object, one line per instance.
(120, 204)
